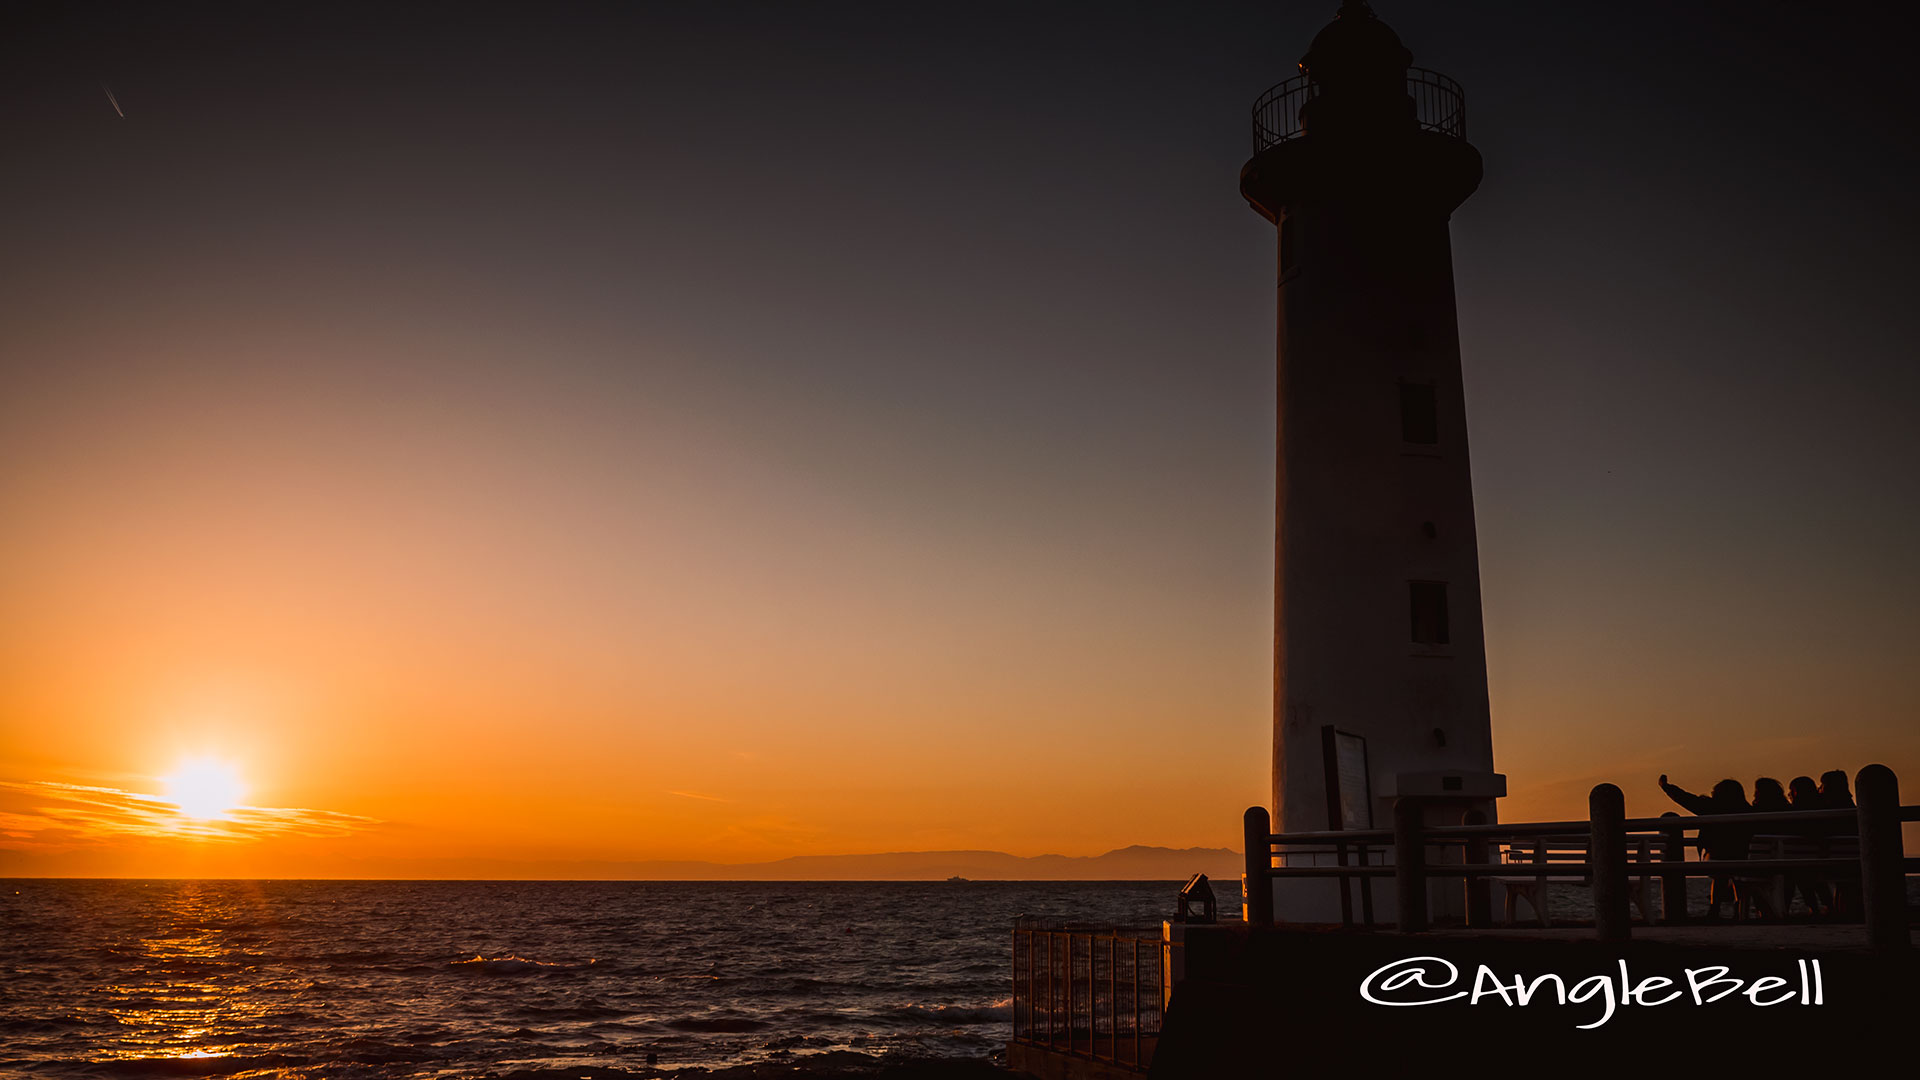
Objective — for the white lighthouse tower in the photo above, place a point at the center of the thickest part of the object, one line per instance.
(1380, 674)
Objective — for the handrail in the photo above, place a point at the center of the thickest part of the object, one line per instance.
(1329, 836)
(1070, 993)
(1547, 828)
(1605, 850)
(1573, 869)
(1276, 113)
(1438, 103)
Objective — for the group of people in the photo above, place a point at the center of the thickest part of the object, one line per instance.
(1722, 842)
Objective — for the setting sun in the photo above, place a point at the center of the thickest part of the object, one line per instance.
(204, 788)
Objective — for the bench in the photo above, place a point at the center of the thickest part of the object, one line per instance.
(1770, 895)
(1566, 859)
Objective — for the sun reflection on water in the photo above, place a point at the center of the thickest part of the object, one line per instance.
(186, 991)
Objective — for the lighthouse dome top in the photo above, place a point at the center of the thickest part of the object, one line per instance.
(1355, 45)
(1357, 85)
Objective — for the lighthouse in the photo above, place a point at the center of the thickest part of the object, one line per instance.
(1380, 674)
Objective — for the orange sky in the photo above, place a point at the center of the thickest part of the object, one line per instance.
(438, 632)
(492, 645)
(596, 471)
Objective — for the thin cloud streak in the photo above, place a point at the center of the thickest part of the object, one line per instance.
(45, 813)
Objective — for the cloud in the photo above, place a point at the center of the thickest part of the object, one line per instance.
(44, 814)
(697, 795)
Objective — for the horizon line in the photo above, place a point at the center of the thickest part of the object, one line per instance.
(624, 881)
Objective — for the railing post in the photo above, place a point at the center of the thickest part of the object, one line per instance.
(1409, 865)
(1016, 986)
(1136, 1001)
(1113, 1002)
(1883, 884)
(1067, 971)
(1093, 1000)
(1050, 990)
(1479, 889)
(1258, 836)
(1607, 848)
(1673, 883)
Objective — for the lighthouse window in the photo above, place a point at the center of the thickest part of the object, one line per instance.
(1419, 419)
(1429, 612)
(1286, 246)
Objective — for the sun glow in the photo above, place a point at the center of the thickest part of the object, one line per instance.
(204, 788)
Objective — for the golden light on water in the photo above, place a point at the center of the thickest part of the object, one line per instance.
(186, 989)
(204, 788)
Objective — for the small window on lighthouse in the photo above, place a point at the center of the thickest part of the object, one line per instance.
(1419, 418)
(1429, 612)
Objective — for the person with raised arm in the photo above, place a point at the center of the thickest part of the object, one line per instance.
(1719, 843)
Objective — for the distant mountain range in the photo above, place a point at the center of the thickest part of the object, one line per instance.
(1137, 863)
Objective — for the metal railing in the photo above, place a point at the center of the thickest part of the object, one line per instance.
(1439, 105)
(1091, 992)
(1609, 848)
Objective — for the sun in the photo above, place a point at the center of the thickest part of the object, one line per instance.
(204, 788)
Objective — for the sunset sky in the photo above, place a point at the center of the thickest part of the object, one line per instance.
(575, 434)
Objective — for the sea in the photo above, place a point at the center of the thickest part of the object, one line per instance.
(378, 979)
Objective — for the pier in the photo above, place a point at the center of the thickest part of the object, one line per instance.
(1102, 1002)
(1615, 856)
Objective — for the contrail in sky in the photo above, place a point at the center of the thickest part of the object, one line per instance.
(114, 101)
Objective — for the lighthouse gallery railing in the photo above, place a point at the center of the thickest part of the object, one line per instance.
(1439, 106)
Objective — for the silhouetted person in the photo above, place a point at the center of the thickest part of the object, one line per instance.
(1834, 792)
(1834, 795)
(1720, 843)
(1769, 797)
(1804, 794)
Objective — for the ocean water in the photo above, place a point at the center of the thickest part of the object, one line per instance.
(389, 979)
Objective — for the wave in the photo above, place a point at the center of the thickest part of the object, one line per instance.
(514, 965)
(65, 1022)
(1000, 1012)
(729, 1025)
(194, 1066)
(794, 1042)
(585, 1011)
(364, 956)
(364, 1050)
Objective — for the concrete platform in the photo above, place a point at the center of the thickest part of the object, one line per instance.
(1041, 1063)
(1260, 1001)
